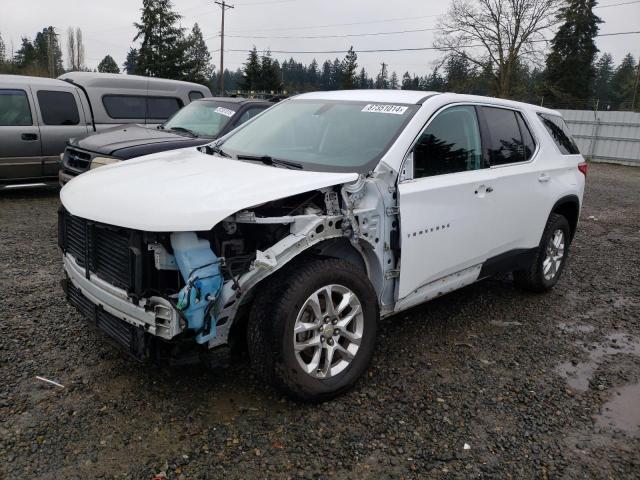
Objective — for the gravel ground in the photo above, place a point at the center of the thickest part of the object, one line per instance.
(487, 382)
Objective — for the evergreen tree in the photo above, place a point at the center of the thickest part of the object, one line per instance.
(382, 80)
(363, 79)
(108, 65)
(25, 57)
(269, 78)
(325, 77)
(570, 65)
(197, 58)
(161, 52)
(2, 50)
(251, 73)
(131, 62)
(406, 81)
(434, 82)
(393, 82)
(336, 74)
(313, 75)
(623, 83)
(349, 69)
(604, 70)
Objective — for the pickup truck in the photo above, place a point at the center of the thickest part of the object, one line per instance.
(38, 116)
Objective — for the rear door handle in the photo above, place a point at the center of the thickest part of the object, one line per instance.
(29, 137)
(544, 178)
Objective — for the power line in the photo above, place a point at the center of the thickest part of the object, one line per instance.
(413, 49)
(617, 4)
(336, 36)
(337, 24)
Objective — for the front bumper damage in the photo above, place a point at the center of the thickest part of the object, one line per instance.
(155, 316)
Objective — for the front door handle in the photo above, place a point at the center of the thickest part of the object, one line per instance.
(489, 189)
(29, 137)
(544, 178)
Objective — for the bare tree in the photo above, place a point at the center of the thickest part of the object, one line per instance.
(79, 49)
(71, 49)
(75, 49)
(497, 35)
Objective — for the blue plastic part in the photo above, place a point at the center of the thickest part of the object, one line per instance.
(200, 269)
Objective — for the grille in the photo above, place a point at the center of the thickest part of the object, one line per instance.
(102, 249)
(76, 159)
(126, 336)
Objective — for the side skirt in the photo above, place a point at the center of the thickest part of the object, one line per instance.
(517, 259)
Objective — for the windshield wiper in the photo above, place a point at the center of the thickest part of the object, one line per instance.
(268, 160)
(186, 130)
(211, 149)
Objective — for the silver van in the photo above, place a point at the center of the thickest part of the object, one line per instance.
(38, 116)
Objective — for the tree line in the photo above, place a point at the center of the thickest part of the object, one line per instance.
(481, 54)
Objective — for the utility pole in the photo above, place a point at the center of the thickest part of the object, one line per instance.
(50, 51)
(635, 88)
(223, 6)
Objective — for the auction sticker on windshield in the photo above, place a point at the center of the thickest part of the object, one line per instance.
(224, 111)
(378, 108)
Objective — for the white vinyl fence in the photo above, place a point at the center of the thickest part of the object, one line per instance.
(612, 137)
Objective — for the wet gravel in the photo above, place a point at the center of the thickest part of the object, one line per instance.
(487, 382)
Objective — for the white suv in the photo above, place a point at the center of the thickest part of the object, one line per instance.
(296, 232)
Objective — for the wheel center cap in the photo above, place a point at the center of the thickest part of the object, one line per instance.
(327, 331)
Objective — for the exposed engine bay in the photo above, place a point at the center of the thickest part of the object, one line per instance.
(208, 276)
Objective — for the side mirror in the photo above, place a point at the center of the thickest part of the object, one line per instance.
(407, 168)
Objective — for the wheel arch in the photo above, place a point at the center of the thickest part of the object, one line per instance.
(333, 247)
(569, 207)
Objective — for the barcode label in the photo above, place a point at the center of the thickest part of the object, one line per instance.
(224, 111)
(378, 108)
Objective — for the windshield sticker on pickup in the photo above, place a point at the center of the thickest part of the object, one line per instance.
(225, 111)
(377, 108)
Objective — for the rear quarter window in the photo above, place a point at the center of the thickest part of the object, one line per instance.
(560, 133)
(139, 106)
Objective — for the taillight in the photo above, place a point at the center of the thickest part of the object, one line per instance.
(584, 168)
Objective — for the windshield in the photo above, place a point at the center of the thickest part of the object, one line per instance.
(322, 135)
(203, 118)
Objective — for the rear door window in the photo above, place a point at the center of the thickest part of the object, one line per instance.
(559, 131)
(58, 108)
(14, 108)
(506, 143)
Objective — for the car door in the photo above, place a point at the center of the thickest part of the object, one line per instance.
(20, 148)
(520, 184)
(61, 118)
(446, 211)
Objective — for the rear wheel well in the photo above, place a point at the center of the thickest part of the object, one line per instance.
(569, 208)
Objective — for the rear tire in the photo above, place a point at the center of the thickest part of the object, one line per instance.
(550, 259)
(333, 310)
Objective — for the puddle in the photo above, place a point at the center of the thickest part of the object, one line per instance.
(579, 374)
(575, 328)
(622, 411)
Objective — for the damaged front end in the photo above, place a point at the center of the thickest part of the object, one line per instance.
(146, 289)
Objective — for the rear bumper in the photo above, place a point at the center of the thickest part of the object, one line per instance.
(155, 316)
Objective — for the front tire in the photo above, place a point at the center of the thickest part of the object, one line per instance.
(550, 259)
(312, 331)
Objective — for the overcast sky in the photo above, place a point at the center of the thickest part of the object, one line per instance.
(107, 27)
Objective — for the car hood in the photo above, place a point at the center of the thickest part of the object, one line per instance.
(184, 190)
(125, 138)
